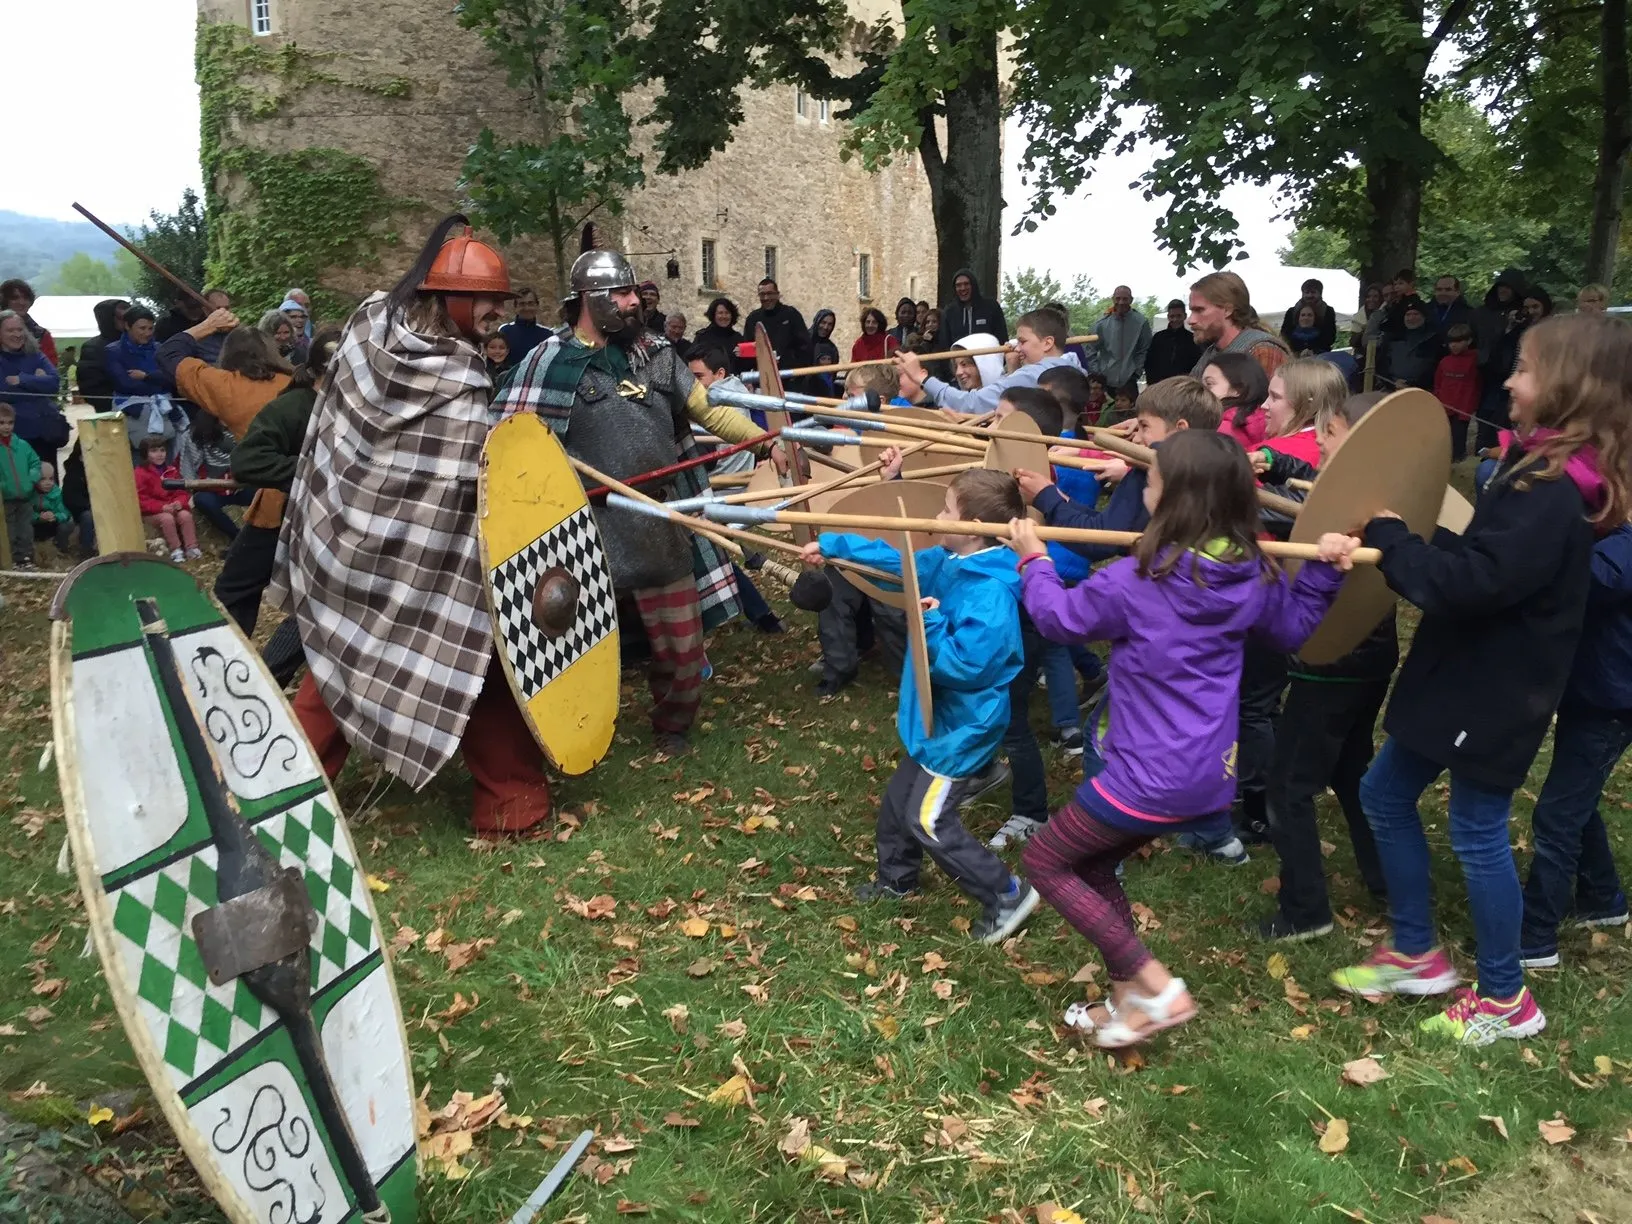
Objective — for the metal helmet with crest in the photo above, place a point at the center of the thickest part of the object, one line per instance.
(595, 276)
(463, 269)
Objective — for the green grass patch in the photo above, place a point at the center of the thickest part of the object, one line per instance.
(932, 1066)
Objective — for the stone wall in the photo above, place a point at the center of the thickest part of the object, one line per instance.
(780, 183)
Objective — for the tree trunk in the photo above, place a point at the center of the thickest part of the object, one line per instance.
(1394, 190)
(1614, 141)
(966, 182)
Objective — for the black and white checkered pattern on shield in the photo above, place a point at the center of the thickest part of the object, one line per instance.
(378, 556)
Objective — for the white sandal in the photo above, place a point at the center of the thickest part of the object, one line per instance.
(1078, 1019)
(1118, 1034)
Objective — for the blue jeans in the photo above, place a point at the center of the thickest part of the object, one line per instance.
(1478, 827)
(1573, 861)
(754, 607)
(1061, 672)
(212, 506)
(1030, 785)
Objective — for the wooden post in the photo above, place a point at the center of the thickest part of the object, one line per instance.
(111, 480)
(1370, 383)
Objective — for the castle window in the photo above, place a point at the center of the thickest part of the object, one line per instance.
(770, 263)
(260, 16)
(864, 277)
(824, 110)
(708, 265)
(801, 104)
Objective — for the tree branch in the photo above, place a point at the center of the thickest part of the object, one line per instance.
(1447, 22)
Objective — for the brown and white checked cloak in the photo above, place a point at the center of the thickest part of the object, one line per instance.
(378, 557)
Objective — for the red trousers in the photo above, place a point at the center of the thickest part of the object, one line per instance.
(512, 793)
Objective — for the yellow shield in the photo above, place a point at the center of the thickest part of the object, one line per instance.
(535, 524)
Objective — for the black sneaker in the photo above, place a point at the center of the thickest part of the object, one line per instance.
(876, 890)
(1070, 742)
(993, 776)
(1614, 916)
(1010, 914)
(1278, 928)
(769, 623)
(833, 685)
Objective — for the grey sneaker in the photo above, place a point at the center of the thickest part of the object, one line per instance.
(1231, 853)
(876, 890)
(1010, 914)
(995, 775)
(1015, 830)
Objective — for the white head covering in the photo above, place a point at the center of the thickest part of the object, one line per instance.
(990, 365)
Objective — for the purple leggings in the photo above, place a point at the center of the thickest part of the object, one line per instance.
(1072, 862)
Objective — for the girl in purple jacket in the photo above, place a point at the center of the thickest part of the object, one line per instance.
(1177, 614)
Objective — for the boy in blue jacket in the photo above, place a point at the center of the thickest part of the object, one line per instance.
(1573, 871)
(971, 593)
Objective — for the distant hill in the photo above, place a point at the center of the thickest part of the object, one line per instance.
(34, 247)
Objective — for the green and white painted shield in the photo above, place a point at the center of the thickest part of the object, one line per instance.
(222, 1064)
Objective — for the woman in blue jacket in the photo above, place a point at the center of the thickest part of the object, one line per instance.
(28, 382)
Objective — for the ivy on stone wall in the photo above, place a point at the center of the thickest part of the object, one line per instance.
(293, 215)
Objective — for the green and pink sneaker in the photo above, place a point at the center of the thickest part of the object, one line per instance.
(1473, 1020)
(1387, 972)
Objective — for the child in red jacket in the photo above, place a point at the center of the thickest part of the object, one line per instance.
(1456, 385)
(165, 509)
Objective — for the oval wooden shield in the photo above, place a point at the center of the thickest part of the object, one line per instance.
(923, 499)
(231, 1075)
(1007, 454)
(1397, 458)
(535, 527)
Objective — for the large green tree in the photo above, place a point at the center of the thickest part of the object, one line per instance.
(1288, 92)
(81, 274)
(575, 62)
(180, 242)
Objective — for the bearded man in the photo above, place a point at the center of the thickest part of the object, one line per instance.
(378, 557)
(622, 399)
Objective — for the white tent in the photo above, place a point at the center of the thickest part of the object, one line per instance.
(1275, 287)
(65, 317)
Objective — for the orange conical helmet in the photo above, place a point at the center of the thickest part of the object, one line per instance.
(464, 265)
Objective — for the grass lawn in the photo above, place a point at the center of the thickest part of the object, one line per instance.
(689, 921)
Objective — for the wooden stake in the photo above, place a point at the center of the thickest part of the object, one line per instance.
(926, 357)
(110, 478)
(1000, 531)
(917, 639)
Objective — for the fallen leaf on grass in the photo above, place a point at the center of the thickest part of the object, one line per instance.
(37, 1015)
(888, 1027)
(662, 909)
(1556, 1129)
(1041, 977)
(44, 944)
(1050, 1213)
(942, 988)
(1335, 1138)
(458, 955)
(845, 923)
(1437, 1219)
(34, 1091)
(510, 1121)
(98, 1115)
(732, 1030)
(757, 993)
(676, 1118)
(134, 1118)
(796, 1145)
(700, 968)
(616, 1144)
(510, 915)
(1302, 1032)
(1095, 1107)
(1086, 973)
(377, 885)
(1604, 1065)
(601, 906)
(1277, 967)
(403, 939)
(625, 1207)
(1463, 1165)
(677, 1016)
(1363, 1071)
(10, 1030)
(624, 1002)
(446, 1148)
(934, 961)
(460, 1006)
(733, 1092)
(694, 927)
(1500, 1124)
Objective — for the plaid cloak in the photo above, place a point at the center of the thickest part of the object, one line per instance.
(546, 383)
(378, 557)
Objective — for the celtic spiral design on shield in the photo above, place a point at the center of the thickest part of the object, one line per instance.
(272, 1138)
(237, 718)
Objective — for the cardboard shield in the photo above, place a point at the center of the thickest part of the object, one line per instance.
(227, 903)
(1397, 458)
(921, 498)
(1007, 454)
(555, 619)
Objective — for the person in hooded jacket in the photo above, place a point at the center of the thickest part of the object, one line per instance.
(823, 351)
(969, 312)
(1173, 350)
(1411, 354)
(972, 628)
(906, 322)
(1496, 325)
(95, 386)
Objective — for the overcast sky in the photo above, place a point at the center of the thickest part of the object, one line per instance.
(114, 54)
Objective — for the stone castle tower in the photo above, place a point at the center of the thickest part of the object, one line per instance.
(335, 130)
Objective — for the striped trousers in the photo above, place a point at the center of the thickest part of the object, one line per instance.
(919, 816)
(673, 620)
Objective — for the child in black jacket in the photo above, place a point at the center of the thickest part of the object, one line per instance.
(1502, 612)
(1324, 735)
